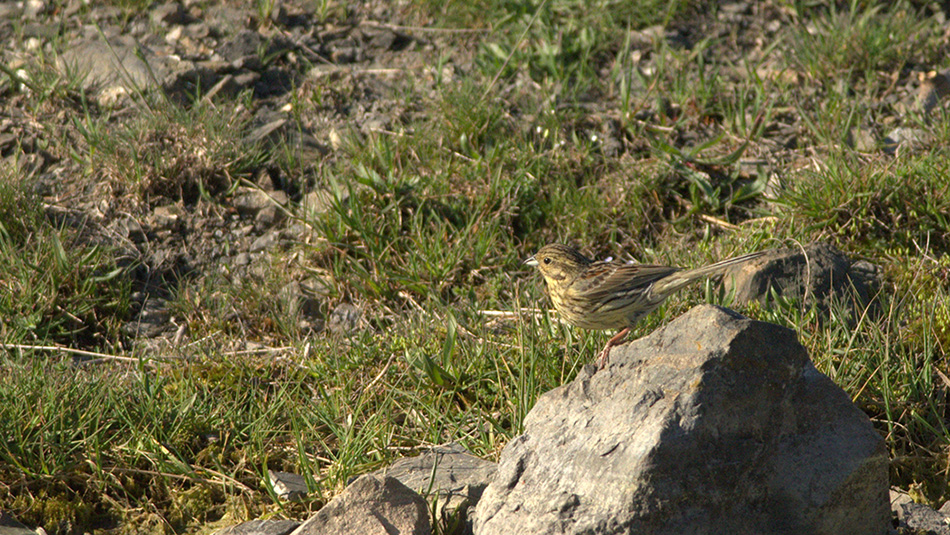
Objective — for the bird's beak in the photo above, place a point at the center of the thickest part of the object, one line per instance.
(531, 261)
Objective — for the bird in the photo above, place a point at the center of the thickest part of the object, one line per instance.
(612, 294)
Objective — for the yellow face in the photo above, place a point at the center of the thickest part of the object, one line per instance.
(558, 264)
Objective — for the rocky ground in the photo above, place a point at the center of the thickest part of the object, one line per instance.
(192, 139)
(311, 79)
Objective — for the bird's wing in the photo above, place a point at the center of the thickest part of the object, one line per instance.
(604, 280)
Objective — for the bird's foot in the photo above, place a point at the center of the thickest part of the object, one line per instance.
(605, 352)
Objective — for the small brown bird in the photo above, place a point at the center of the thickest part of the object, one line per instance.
(612, 294)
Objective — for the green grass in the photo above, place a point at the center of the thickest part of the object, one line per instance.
(55, 290)
(563, 129)
(857, 42)
(878, 205)
(169, 153)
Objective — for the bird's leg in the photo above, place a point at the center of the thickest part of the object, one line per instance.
(602, 357)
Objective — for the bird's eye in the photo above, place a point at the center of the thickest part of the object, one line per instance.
(546, 260)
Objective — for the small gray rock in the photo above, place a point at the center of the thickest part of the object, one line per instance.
(288, 486)
(120, 62)
(34, 8)
(11, 526)
(450, 472)
(165, 217)
(371, 505)
(381, 38)
(241, 259)
(904, 138)
(862, 139)
(225, 19)
(245, 43)
(169, 14)
(128, 228)
(248, 201)
(268, 217)
(260, 527)
(264, 242)
(344, 319)
(818, 274)
(918, 518)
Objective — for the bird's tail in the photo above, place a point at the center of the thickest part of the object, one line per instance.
(679, 279)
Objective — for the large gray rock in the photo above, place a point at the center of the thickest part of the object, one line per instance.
(371, 505)
(713, 424)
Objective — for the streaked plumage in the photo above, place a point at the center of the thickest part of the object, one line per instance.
(612, 294)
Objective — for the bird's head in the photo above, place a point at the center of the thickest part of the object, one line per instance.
(558, 263)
